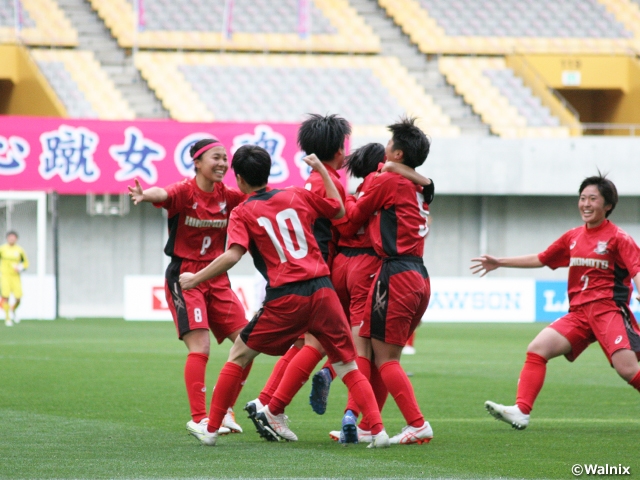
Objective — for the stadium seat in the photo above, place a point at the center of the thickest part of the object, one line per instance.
(369, 91)
(507, 26)
(501, 98)
(256, 26)
(42, 23)
(81, 84)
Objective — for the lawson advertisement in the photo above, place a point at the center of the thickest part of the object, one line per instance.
(452, 299)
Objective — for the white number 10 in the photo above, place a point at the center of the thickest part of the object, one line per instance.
(281, 218)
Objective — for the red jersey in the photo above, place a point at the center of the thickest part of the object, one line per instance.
(601, 260)
(400, 213)
(326, 234)
(362, 238)
(276, 227)
(198, 219)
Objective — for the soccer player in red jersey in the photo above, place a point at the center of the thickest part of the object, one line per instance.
(276, 227)
(325, 137)
(198, 211)
(602, 261)
(396, 210)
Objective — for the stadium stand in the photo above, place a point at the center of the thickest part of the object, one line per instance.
(502, 99)
(257, 25)
(282, 88)
(41, 22)
(507, 26)
(81, 85)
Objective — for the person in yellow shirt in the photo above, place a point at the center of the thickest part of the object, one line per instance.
(13, 261)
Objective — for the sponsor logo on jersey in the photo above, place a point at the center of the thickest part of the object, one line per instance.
(199, 223)
(223, 207)
(589, 262)
(618, 339)
(572, 245)
(195, 205)
(601, 249)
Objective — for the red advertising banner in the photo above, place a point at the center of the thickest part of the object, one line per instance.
(72, 156)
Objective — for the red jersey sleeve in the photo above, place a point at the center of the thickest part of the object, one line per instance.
(375, 196)
(558, 254)
(237, 232)
(177, 196)
(324, 207)
(629, 253)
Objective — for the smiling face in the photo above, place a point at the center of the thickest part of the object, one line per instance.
(592, 206)
(212, 164)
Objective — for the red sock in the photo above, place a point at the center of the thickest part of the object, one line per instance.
(276, 375)
(635, 382)
(245, 374)
(362, 393)
(226, 387)
(530, 381)
(379, 390)
(401, 390)
(364, 365)
(194, 374)
(296, 375)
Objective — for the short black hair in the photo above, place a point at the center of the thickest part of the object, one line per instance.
(253, 164)
(413, 142)
(11, 232)
(324, 136)
(364, 160)
(606, 188)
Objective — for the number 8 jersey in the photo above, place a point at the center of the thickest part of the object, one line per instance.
(276, 227)
(198, 219)
(601, 260)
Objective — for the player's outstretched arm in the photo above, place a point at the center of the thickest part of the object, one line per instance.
(153, 194)
(332, 192)
(219, 266)
(486, 263)
(407, 172)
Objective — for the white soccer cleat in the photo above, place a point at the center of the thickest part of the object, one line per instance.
(276, 425)
(14, 317)
(381, 440)
(408, 350)
(409, 434)
(509, 414)
(8, 323)
(364, 436)
(229, 421)
(199, 430)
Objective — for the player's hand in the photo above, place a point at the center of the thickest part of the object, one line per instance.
(484, 264)
(136, 193)
(18, 268)
(188, 281)
(389, 167)
(313, 161)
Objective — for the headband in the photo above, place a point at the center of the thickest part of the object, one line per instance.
(205, 148)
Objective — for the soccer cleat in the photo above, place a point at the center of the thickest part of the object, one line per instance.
(349, 433)
(320, 385)
(14, 317)
(8, 323)
(199, 430)
(252, 409)
(277, 426)
(381, 440)
(229, 421)
(511, 415)
(364, 436)
(408, 350)
(409, 434)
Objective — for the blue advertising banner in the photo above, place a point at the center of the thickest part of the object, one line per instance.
(552, 300)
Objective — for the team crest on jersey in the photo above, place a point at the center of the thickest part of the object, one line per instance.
(223, 207)
(601, 249)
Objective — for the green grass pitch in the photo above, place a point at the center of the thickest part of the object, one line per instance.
(105, 399)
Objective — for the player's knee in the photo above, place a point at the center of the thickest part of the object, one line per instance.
(342, 368)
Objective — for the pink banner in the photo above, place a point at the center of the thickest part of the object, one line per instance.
(81, 156)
